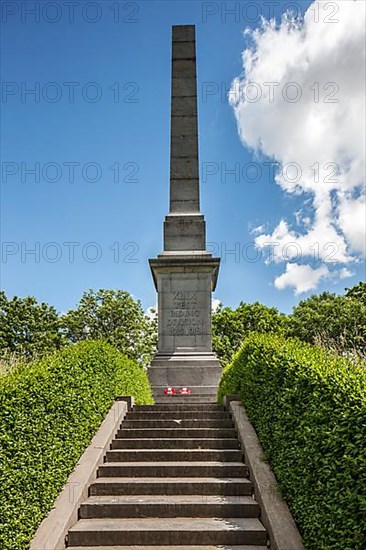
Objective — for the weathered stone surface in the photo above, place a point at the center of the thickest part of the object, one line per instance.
(184, 233)
(184, 50)
(168, 506)
(184, 146)
(183, 443)
(182, 206)
(142, 530)
(184, 68)
(183, 33)
(185, 190)
(171, 486)
(186, 105)
(139, 547)
(185, 168)
(184, 126)
(183, 87)
(175, 432)
(142, 415)
(207, 407)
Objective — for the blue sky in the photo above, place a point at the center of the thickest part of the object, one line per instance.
(119, 67)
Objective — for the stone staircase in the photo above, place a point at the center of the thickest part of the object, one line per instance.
(174, 477)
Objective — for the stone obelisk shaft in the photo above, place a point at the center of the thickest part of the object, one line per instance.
(184, 178)
(184, 227)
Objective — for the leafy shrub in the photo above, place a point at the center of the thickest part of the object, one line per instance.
(49, 412)
(309, 410)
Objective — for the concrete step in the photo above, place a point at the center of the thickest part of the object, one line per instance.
(178, 547)
(173, 455)
(195, 397)
(172, 531)
(178, 415)
(191, 400)
(198, 394)
(173, 469)
(182, 423)
(202, 486)
(178, 406)
(168, 506)
(158, 433)
(180, 443)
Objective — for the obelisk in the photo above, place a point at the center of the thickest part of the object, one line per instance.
(184, 273)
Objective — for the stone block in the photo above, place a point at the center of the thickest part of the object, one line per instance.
(200, 372)
(184, 68)
(183, 33)
(184, 376)
(184, 146)
(183, 206)
(184, 168)
(184, 235)
(186, 106)
(183, 126)
(183, 87)
(184, 50)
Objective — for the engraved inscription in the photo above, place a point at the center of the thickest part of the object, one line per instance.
(185, 318)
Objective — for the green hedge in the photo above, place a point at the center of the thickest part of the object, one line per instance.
(49, 412)
(309, 410)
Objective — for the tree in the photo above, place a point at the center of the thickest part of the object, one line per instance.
(231, 326)
(333, 321)
(28, 328)
(357, 292)
(115, 317)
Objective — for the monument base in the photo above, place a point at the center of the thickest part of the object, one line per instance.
(200, 372)
(184, 281)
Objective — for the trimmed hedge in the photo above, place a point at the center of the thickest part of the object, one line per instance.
(309, 410)
(49, 412)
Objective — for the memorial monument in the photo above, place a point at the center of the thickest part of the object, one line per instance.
(184, 274)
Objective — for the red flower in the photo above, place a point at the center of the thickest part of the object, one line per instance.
(185, 391)
(170, 391)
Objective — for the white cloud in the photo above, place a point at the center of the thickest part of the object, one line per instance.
(215, 304)
(258, 229)
(318, 140)
(321, 243)
(301, 277)
(344, 273)
(352, 221)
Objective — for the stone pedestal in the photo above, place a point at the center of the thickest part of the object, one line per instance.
(185, 358)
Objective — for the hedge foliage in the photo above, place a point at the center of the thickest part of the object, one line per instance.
(309, 410)
(49, 412)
